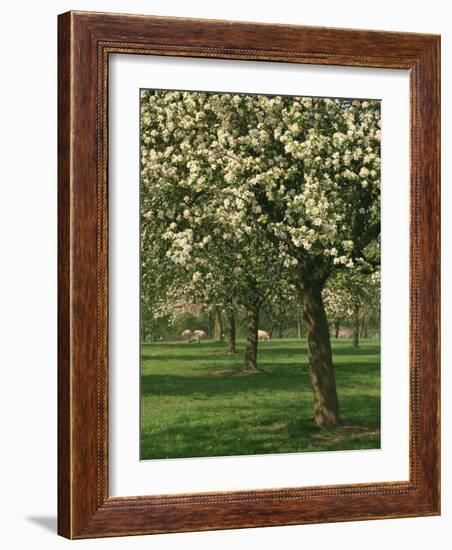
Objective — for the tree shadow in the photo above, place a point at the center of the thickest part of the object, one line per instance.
(351, 351)
(221, 384)
(220, 381)
(274, 434)
(188, 357)
(209, 409)
(349, 434)
(266, 350)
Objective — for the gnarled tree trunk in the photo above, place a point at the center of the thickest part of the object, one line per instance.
(250, 364)
(326, 405)
(231, 331)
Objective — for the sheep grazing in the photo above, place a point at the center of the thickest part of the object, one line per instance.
(186, 335)
(195, 336)
(263, 335)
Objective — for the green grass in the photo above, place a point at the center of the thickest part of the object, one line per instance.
(195, 402)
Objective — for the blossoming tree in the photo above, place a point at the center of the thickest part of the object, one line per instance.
(198, 235)
(353, 297)
(298, 179)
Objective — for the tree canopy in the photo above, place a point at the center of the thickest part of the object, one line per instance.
(247, 197)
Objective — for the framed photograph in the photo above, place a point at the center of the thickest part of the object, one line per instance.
(248, 275)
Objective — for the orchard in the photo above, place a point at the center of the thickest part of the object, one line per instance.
(261, 208)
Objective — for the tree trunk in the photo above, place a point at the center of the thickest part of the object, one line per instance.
(326, 405)
(218, 328)
(298, 325)
(356, 326)
(280, 330)
(231, 333)
(143, 333)
(336, 329)
(271, 330)
(211, 326)
(364, 332)
(250, 364)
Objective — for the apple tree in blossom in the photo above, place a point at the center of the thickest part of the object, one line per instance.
(243, 194)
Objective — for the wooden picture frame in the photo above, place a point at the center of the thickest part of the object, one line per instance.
(86, 40)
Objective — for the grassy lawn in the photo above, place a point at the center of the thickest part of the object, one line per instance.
(194, 401)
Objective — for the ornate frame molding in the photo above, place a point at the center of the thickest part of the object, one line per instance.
(85, 42)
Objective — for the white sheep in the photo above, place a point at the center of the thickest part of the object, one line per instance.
(186, 335)
(263, 335)
(200, 333)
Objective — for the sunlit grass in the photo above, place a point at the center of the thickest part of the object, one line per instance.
(195, 402)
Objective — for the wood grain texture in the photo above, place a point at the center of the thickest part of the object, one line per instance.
(85, 42)
(64, 295)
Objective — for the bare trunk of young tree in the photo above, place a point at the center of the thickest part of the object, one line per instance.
(271, 330)
(211, 326)
(218, 327)
(250, 364)
(231, 332)
(356, 326)
(326, 405)
(298, 324)
(280, 330)
(363, 330)
(336, 329)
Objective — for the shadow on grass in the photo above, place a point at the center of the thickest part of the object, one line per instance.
(338, 350)
(270, 378)
(361, 438)
(183, 352)
(196, 355)
(217, 384)
(339, 435)
(271, 435)
(196, 403)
